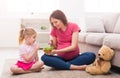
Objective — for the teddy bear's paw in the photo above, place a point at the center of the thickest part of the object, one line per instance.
(93, 71)
(87, 69)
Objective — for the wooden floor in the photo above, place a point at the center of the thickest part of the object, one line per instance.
(8, 57)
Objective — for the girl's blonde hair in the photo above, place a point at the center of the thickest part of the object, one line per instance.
(24, 32)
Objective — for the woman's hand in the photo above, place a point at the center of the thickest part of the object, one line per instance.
(52, 52)
(50, 42)
(53, 42)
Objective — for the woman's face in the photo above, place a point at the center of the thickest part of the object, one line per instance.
(57, 23)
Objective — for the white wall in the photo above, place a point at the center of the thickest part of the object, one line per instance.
(9, 28)
(9, 32)
(74, 10)
(10, 23)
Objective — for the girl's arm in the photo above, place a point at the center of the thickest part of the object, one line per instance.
(70, 48)
(37, 58)
(29, 56)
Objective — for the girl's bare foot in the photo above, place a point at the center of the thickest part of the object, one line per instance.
(37, 70)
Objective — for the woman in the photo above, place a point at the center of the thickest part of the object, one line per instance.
(64, 37)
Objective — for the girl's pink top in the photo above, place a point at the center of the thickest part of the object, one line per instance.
(64, 39)
(26, 49)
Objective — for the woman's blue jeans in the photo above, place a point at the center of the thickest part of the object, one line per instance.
(58, 63)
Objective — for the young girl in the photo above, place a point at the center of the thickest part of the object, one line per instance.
(28, 60)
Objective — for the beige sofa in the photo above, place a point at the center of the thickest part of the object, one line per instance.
(104, 30)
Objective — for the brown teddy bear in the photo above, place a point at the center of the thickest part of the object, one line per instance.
(101, 64)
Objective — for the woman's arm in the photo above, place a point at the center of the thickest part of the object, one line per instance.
(53, 42)
(73, 44)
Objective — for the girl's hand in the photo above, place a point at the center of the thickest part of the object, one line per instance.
(37, 47)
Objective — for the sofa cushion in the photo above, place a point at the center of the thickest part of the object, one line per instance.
(94, 24)
(112, 40)
(82, 37)
(110, 21)
(117, 26)
(95, 38)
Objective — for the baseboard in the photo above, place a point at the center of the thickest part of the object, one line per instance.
(9, 48)
(115, 69)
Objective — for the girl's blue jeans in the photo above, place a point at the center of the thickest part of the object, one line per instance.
(58, 63)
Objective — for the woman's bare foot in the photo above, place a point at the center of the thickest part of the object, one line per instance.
(76, 67)
(83, 67)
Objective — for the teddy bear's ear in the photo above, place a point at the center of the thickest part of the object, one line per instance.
(112, 53)
(108, 49)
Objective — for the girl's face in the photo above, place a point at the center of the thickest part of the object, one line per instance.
(57, 23)
(31, 39)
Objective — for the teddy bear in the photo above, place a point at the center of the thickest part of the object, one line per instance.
(102, 63)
